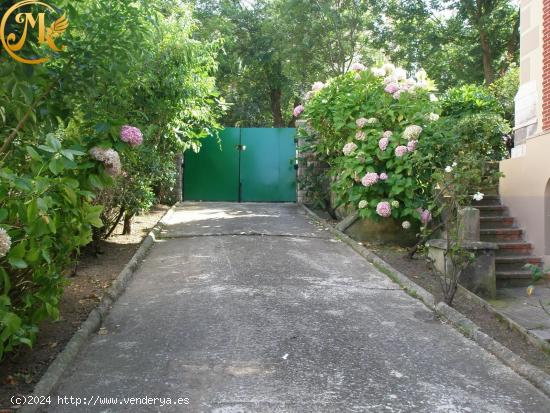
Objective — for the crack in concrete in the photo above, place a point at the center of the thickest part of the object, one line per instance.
(169, 236)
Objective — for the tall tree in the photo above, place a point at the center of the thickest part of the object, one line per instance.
(496, 23)
(457, 41)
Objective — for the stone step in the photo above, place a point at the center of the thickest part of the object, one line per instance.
(513, 248)
(497, 222)
(516, 262)
(519, 278)
(487, 200)
(492, 210)
(501, 234)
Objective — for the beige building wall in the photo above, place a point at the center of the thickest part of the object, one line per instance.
(525, 188)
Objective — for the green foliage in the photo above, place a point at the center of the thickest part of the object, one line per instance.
(333, 112)
(504, 90)
(456, 41)
(275, 49)
(469, 100)
(126, 63)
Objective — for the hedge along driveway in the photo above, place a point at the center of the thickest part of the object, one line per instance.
(250, 307)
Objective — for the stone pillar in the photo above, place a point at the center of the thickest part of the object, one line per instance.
(468, 224)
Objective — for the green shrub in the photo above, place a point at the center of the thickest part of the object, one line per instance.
(57, 118)
(469, 100)
(504, 89)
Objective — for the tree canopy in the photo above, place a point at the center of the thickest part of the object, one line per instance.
(273, 50)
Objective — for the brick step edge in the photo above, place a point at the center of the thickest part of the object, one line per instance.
(537, 377)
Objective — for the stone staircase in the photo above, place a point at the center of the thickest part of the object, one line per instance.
(514, 252)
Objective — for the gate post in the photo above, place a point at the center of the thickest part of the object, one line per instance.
(178, 188)
(301, 193)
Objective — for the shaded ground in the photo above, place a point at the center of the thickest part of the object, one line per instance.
(252, 308)
(418, 271)
(20, 372)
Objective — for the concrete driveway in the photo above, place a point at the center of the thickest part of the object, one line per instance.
(252, 308)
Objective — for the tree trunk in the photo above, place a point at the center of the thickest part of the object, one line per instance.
(276, 111)
(487, 58)
(127, 230)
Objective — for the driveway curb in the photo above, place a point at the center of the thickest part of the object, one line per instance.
(535, 376)
(49, 381)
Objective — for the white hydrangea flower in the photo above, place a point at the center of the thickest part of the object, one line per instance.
(349, 148)
(412, 132)
(110, 159)
(478, 196)
(363, 204)
(378, 71)
(389, 68)
(399, 74)
(317, 86)
(395, 204)
(449, 169)
(406, 224)
(5, 242)
(432, 117)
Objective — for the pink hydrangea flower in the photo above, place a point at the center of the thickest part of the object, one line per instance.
(401, 151)
(383, 143)
(131, 135)
(425, 216)
(388, 134)
(397, 94)
(411, 146)
(383, 209)
(383, 176)
(370, 179)
(298, 110)
(392, 88)
(360, 135)
(358, 67)
(349, 148)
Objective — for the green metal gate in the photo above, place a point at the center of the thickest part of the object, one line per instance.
(246, 165)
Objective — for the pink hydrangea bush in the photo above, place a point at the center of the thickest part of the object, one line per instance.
(371, 142)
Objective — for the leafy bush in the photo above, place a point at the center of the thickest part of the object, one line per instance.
(474, 117)
(62, 155)
(469, 100)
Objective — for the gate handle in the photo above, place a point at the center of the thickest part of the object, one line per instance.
(240, 147)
